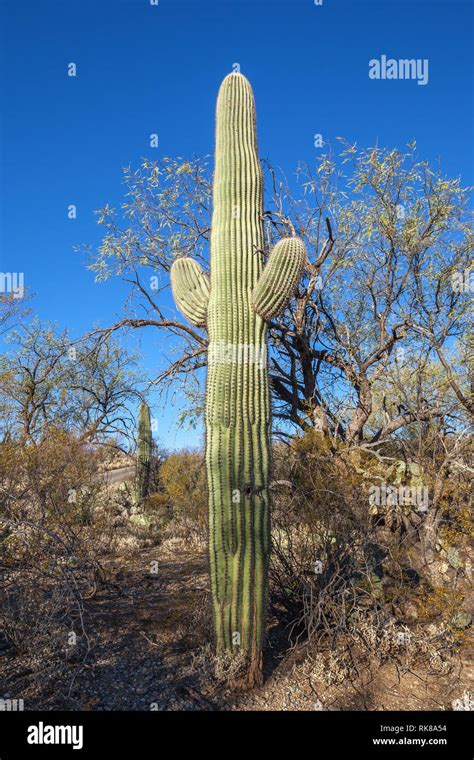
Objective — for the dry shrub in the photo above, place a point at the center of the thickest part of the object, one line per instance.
(48, 566)
(343, 578)
(183, 487)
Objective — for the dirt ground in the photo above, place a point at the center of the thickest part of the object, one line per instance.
(147, 627)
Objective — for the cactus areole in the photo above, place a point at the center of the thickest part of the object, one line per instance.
(234, 305)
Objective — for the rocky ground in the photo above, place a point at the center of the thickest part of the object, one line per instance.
(150, 635)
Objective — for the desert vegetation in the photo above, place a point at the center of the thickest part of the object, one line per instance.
(117, 591)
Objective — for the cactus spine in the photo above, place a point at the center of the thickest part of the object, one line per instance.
(144, 452)
(235, 305)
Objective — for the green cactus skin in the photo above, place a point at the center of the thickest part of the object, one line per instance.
(191, 290)
(144, 450)
(282, 273)
(241, 297)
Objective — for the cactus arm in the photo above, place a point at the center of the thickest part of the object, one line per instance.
(280, 277)
(190, 285)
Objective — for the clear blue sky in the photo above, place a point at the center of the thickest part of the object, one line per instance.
(144, 69)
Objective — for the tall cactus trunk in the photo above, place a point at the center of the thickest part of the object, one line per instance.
(237, 403)
(235, 305)
(144, 453)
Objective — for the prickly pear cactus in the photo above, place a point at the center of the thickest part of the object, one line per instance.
(234, 305)
(144, 451)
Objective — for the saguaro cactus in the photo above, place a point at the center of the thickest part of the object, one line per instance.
(234, 305)
(144, 451)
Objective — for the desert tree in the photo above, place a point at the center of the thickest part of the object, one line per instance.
(49, 380)
(387, 236)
